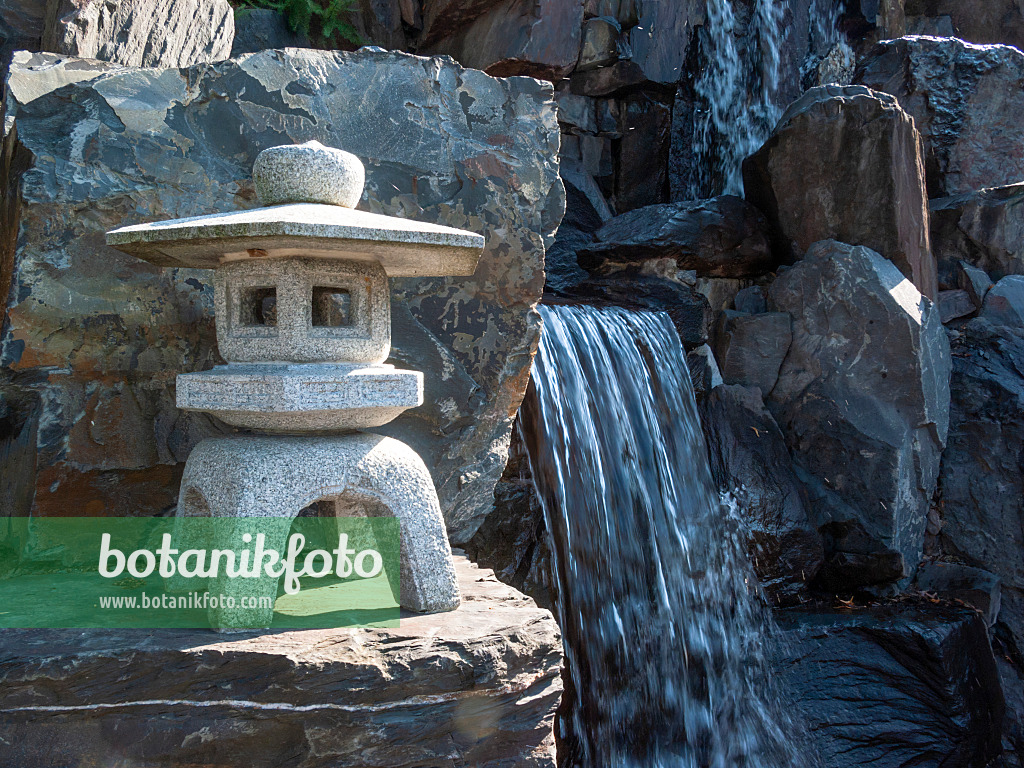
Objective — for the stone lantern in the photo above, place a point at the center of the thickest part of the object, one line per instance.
(302, 310)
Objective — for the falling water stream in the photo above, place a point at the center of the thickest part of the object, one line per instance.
(736, 92)
(663, 635)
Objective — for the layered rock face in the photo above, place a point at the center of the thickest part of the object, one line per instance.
(845, 163)
(966, 101)
(141, 33)
(981, 485)
(894, 686)
(869, 361)
(99, 335)
(474, 687)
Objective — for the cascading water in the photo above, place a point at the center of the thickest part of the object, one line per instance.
(736, 92)
(663, 636)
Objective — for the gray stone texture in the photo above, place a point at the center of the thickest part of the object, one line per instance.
(1004, 304)
(749, 459)
(100, 335)
(277, 477)
(141, 33)
(257, 29)
(308, 173)
(308, 397)
(967, 102)
(893, 685)
(982, 488)
(721, 237)
(292, 333)
(984, 228)
(477, 687)
(956, 581)
(845, 163)
(750, 348)
(863, 400)
(954, 305)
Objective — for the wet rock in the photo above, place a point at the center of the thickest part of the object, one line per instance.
(631, 289)
(141, 33)
(661, 37)
(845, 163)
(966, 101)
(721, 237)
(257, 29)
(575, 232)
(954, 305)
(512, 540)
(481, 682)
(104, 334)
(751, 348)
(983, 228)
(863, 400)
(894, 686)
(955, 581)
(1004, 304)
(981, 484)
(749, 460)
(507, 39)
(994, 21)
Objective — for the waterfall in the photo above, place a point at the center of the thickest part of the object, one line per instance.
(663, 636)
(736, 92)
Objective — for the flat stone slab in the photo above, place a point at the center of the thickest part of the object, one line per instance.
(477, 686)
(405, 248)
(305, 397)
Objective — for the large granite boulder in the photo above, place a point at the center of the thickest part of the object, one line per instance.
(101, 335)
(749, 460)
(984, 228)
(536, 38)
(474, 687)
(141, 33)
(894, 686)
(721, 237)
(844, 163)
(967, 102)
(863, 400)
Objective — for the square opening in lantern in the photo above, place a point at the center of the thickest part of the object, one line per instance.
(332, 307)
(258, 307)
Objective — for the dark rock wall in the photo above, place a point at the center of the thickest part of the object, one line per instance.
(101, 336)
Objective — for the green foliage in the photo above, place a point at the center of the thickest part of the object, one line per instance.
(314, 19)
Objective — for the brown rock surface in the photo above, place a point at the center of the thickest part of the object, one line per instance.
(476, 687)
(845, 163)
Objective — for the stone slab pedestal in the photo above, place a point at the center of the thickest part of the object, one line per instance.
(477, 686)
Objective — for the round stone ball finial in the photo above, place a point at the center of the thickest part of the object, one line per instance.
(308, 173)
